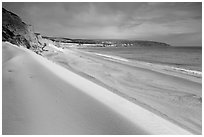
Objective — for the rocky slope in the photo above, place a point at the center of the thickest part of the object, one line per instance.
(15, 31)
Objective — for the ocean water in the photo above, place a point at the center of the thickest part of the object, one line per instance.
(181, 57)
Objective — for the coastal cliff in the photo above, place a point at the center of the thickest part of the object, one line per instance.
(17, 32)
(107, 42)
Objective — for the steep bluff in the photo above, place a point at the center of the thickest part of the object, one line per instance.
(16, 31)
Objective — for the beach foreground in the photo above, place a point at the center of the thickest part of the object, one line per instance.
(173, 94)
(40, 97)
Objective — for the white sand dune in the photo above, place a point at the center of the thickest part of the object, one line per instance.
(40, 97)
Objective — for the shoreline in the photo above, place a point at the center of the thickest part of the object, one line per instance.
(73, 59)
(192, 75)
(105, 50)
(181, 70)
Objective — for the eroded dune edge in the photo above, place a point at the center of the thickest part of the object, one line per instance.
(41, 97)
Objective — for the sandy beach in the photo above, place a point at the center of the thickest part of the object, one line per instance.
(169, 93)
(101, 68)
(41, 97)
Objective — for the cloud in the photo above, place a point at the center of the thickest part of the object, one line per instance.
(149, 21)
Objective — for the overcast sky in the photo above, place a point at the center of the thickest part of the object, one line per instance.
(179, 24)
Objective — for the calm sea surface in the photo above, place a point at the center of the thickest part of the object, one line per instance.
(182, 57)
